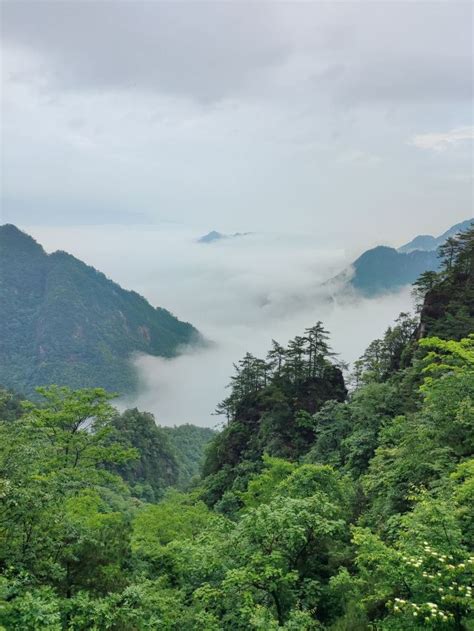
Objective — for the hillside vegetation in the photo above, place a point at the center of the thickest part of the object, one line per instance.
(64, 322)
(319, 507)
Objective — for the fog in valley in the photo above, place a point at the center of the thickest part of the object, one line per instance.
(239, 292)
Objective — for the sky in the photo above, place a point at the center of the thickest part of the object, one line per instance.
(348, 120)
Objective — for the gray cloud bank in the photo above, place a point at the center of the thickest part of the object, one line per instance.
(212, 50)
(237, 115)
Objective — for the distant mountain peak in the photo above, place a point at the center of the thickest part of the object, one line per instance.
(384, 269)
(213, 235)
(428, 243)
(11, 236)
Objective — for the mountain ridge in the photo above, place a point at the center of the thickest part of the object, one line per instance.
(385, 269)
(63, 321)
(428, 242)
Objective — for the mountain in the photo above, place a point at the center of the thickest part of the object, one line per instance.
(64, 322)
(427, 242)
(212, 236)
(384, 269)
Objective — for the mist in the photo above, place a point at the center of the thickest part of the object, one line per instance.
(239, 292)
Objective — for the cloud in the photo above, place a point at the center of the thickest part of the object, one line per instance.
(439, 142)
(234, 115)
(240, 293)
(404, 78)
(214, 51)
(202, 50)
(188, 388)
(361, 158)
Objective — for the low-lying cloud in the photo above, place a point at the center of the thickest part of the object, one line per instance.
(240, 293)
(187, 389)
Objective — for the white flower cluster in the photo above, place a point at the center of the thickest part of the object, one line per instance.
(412, 561)
(438, 568)
(429, 611)
(463, 591)
(5, 487)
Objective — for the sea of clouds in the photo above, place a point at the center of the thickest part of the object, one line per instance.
(239, 292)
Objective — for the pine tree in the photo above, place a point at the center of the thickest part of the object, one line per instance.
(422, 286)
(319, 350)
(276, 358)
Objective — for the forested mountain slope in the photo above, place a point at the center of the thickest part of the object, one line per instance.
(168, 456)
(189, 443)
(62, 321)
(268, 409)
(319, 508)
(448, 305)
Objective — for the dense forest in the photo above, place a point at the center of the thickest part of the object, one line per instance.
(328, 500)
(64, 322)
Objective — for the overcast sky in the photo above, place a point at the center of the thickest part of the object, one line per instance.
(330, 118)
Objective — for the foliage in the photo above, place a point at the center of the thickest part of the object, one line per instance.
(156, 467)
(448, 308)
(64, 322)
(63, 524)
(10, 405)
(269, 410)
(385, 356)
(317, 509)
(189, 443)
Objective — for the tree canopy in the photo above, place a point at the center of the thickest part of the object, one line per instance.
(316, 507)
